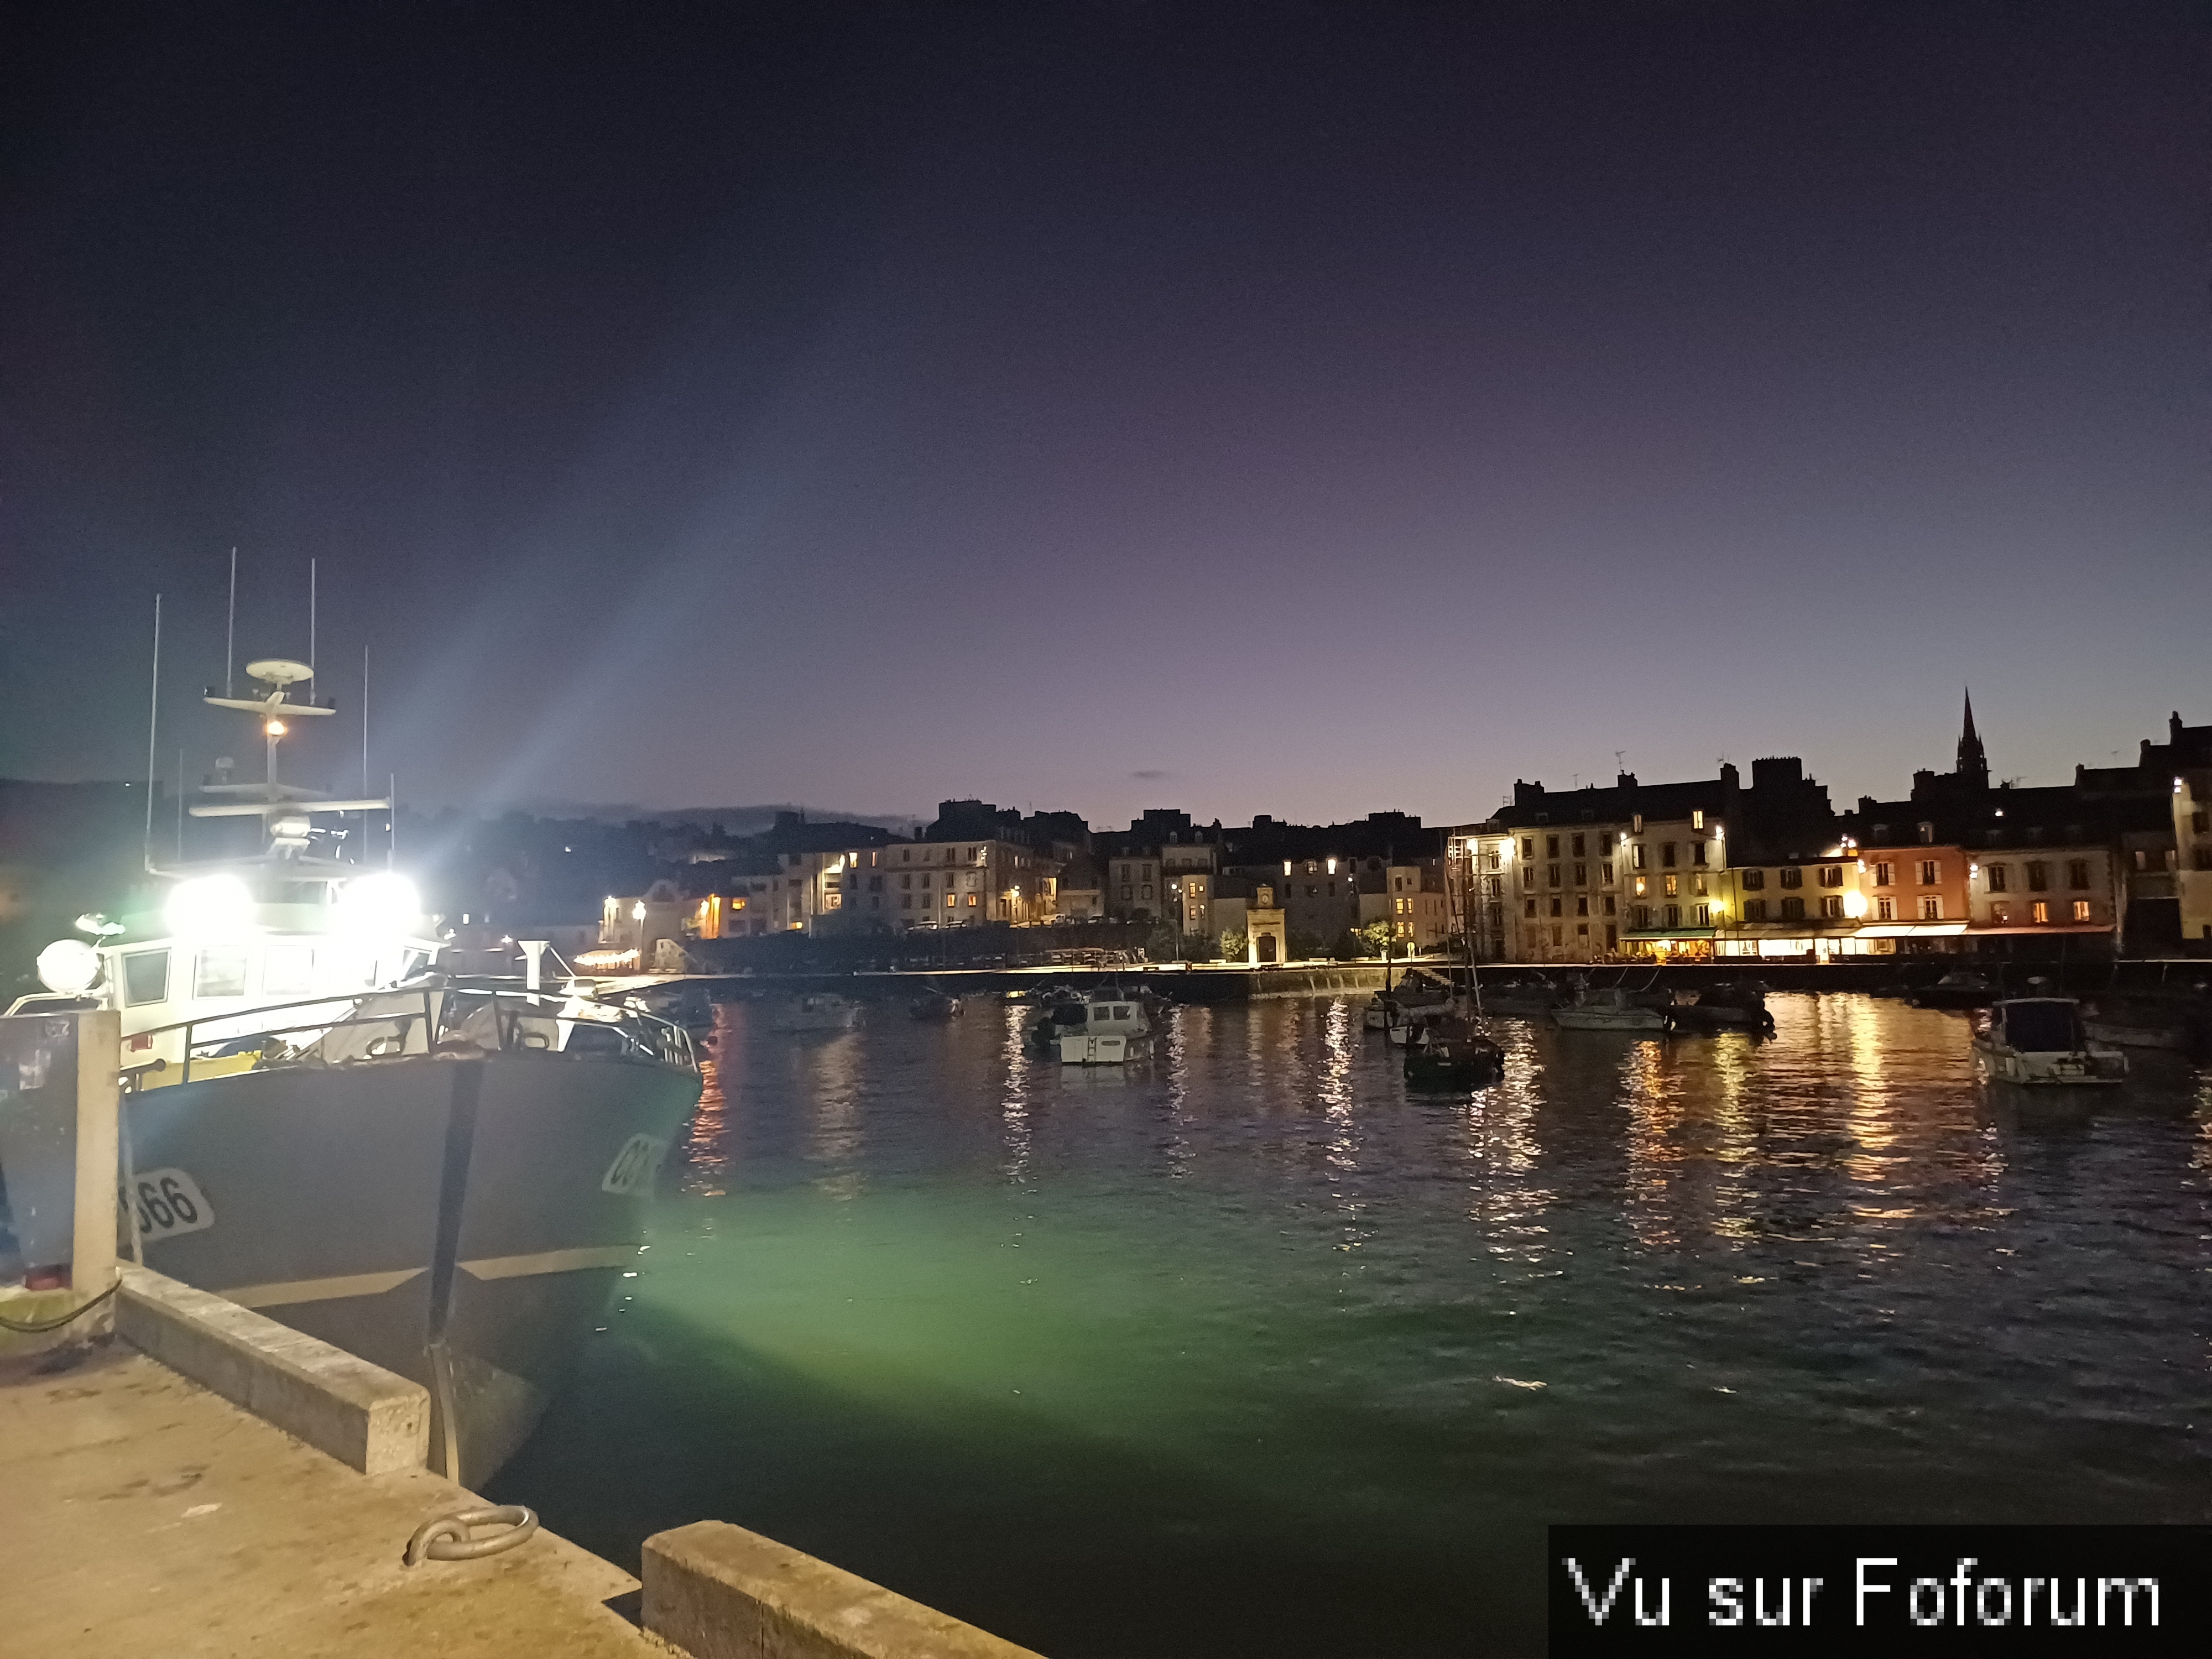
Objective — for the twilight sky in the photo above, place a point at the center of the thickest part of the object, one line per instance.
(1289, 408)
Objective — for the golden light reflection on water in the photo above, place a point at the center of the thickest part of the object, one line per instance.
(1014, 1101)
(706, 1160)
(1501, 1151)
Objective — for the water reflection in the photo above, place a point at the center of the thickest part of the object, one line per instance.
(1255, 1303)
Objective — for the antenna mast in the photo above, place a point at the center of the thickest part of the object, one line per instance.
(364, 752)
(229, 634)
(153, 726)
(311, 630)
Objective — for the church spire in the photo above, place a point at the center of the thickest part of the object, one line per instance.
(1973, 769)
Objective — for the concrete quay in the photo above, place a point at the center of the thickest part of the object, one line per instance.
(183, 1476)
(145, 1514)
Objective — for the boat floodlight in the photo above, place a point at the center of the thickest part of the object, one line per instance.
(68, 966)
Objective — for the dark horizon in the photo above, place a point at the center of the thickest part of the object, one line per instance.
(1256, 410)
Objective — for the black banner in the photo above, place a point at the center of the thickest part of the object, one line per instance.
(1881, 1591)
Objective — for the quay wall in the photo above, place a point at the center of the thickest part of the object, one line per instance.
(717, 1591)
(2176, 977)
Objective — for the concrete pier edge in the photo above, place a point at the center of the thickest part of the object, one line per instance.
(716, 1591)
(359, 1414)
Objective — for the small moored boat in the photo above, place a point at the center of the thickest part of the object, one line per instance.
(934, 1007)
(1445, 1051)
(1959, 990)
(822, 1010)
(1114, 1030)
(2039, 1042)
(1739, 1005)
(1609, 1010)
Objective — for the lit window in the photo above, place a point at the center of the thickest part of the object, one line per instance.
(2041, 911)
(1698, 820)
(2080, 909)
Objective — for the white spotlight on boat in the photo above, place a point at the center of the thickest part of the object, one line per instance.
(210, 907)
(382, 906)
(68, 966)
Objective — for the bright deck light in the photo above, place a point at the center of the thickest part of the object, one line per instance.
(209, 907)
(380, 906)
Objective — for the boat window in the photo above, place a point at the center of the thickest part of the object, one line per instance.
(287, 970)
(145, 978)
(219, 973)
(2042, 1028)
(1121, 1011)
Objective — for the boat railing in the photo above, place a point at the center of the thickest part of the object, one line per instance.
(451, 1020)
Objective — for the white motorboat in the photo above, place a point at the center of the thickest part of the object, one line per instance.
(1116, 1031)
(1609, 1010)
(2039, 1041)
(822, 1010)
(443, 1176)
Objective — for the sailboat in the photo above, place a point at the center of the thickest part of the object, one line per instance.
(445, 1177)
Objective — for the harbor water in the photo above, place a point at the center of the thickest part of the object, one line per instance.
(1248, 1351)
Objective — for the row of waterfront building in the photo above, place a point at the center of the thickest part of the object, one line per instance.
(2118, 861)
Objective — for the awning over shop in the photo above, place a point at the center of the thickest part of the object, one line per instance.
(1913, 930)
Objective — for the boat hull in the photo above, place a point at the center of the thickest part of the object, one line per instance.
(1632, 1019)
(460, 1221)
(1082, 1048)
(1999, 1063)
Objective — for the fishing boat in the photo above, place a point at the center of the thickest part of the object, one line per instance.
(1114, 1030)
(445, 1177)
(820, 1011)
(1956, 990)
(1445, 1051)
(1608, 1010)
(2039, 1041)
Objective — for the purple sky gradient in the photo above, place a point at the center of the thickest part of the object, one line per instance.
(1296, 409)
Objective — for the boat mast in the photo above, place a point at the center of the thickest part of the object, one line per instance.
(152, 728)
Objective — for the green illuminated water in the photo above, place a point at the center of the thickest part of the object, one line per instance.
(1248, 1352)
